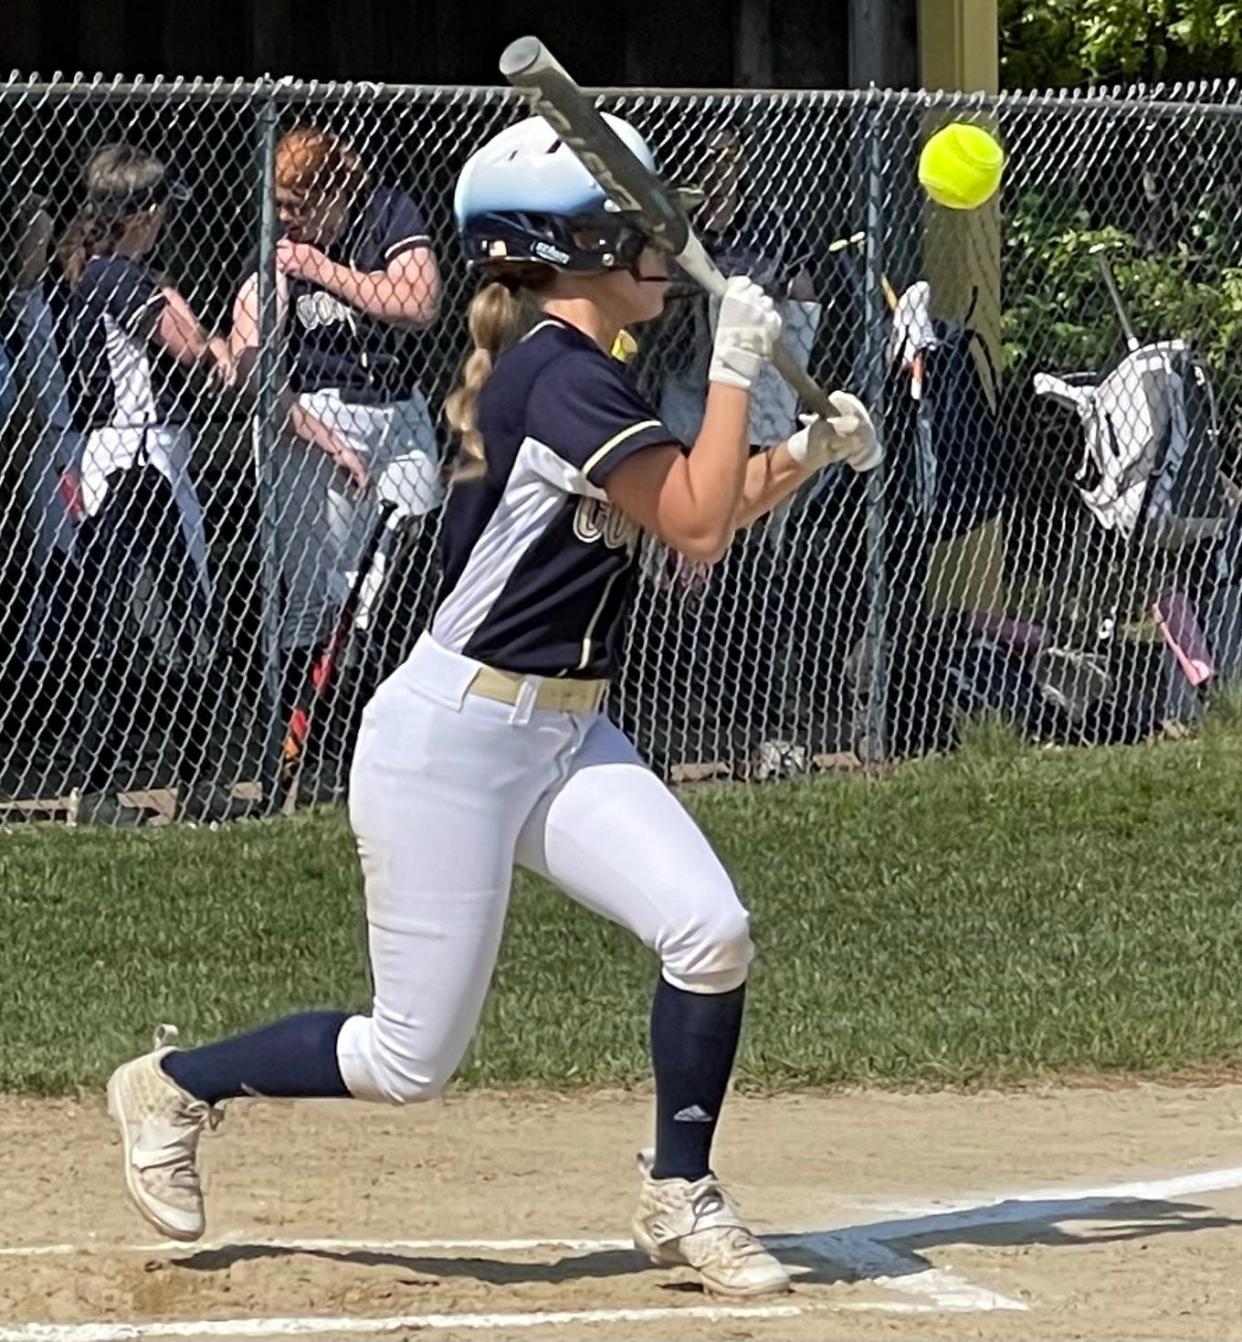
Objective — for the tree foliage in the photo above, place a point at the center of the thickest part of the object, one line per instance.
(1069, 43)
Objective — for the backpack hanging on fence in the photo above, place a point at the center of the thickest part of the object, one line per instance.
(950, 457)
(1151, 462)
(948, 460)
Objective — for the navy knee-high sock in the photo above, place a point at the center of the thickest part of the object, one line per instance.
(294, 1057)
(693, 1043)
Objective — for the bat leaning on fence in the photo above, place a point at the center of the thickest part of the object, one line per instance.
(533, 70)
(323, 671)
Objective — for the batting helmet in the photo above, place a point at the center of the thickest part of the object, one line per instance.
(525, 196)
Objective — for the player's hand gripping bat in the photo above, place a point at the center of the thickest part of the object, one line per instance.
(532, 69)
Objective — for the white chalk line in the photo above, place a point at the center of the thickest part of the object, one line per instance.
(344, 1327)
(324, 1246)
(905, 1221)
(863, 1249)
(1042, 1204)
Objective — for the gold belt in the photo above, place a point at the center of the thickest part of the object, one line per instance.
(557, 695)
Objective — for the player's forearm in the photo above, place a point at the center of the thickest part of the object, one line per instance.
(308, 427)
(747, 326)
(178, 330)
(715, 474)
(375, 293)
(771, 477)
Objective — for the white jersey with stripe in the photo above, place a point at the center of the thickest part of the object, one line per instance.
(120, 377)
(539, 566)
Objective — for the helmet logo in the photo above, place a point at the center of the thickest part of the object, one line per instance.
(497, 247)
(547, 252)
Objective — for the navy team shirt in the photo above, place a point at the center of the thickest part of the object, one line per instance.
(331, 344)
(120, 377)
(538, 565)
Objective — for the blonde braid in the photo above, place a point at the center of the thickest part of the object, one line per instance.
(499, 316)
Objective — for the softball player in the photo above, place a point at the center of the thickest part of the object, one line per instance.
(488, 748)
(132, 338)
(134, 349)
(355, 267)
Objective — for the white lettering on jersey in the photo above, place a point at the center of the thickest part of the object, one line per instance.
(597, 520)
(322, 309)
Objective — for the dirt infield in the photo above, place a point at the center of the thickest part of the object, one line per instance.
(1049, 1214)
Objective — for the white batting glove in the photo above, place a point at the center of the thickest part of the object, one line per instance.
(847, 436)
(746, 333)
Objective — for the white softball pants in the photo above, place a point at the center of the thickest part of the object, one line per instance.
(448, 792)
(322, 524)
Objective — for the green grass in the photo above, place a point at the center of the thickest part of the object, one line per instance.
(1000, 916)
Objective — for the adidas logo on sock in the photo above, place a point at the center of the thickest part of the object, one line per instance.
(694, 1114)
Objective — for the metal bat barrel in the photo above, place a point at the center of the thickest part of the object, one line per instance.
(531, 68)
(524, 54)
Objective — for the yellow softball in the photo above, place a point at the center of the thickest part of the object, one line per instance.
(961, 166)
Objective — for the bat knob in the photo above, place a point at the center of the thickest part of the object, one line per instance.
(520, 55)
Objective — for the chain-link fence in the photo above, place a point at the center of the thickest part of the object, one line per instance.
(213, 332)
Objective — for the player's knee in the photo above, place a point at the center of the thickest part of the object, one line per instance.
(399, 1081)
(377, 1064)
(713, 953)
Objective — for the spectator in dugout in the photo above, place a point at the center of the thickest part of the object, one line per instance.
(745, 236)
(138, 361)
(355, 271)
(747, 233)
(41, 427)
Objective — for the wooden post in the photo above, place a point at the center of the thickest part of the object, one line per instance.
(959, 51)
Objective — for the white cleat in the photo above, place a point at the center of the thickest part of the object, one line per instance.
(695, 1225)
(160, 1126)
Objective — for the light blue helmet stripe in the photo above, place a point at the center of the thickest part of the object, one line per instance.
(526, 168)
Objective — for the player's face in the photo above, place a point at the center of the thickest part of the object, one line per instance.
(145, 229)
(318, 218)
(630, 300)
(721, 182)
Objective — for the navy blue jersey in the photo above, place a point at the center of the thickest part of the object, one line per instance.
(331, 344)
(538, 566)
(119, 376)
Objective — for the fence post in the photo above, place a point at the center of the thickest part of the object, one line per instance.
(266, 429)
(874, 747)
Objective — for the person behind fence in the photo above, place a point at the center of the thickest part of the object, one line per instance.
(139, 360)
(41, 715)
(51, 458)
(356, 269)
(744, 239)
(744, 612)
(488, 747)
